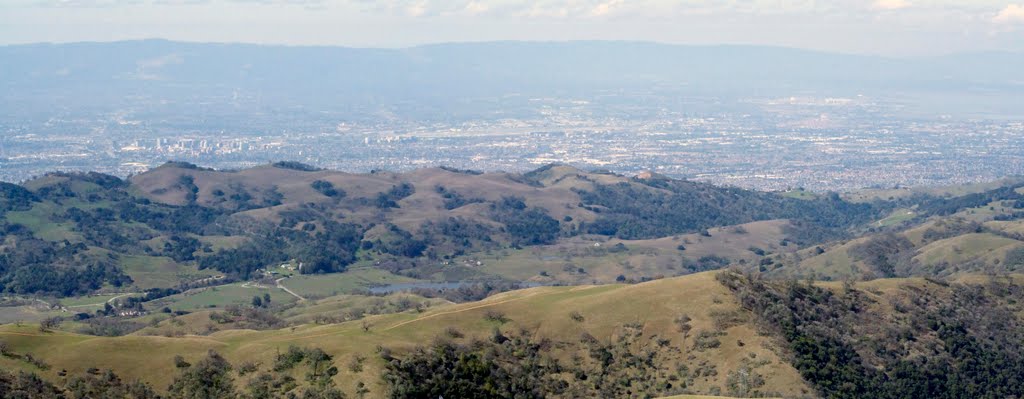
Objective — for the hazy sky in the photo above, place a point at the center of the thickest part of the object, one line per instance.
(892, 27)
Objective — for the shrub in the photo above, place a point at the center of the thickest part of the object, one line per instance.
(452, 332)
(496, 315)
(707, 340)
(356, 364)
(326, 188)
(180, 362)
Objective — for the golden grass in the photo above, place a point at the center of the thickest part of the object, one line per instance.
(985, 247)
(542, 310)
(835, 262)
(1012, 227)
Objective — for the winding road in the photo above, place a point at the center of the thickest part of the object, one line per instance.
(281, 286)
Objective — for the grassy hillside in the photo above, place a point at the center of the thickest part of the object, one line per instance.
(604, 312)
(980, 231)
(737, 340)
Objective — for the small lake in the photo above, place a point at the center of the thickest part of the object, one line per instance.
(390, 288)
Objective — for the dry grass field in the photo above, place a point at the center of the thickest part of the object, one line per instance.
(543, 311)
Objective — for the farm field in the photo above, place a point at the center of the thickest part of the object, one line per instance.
(221, 296)
(898, 216)
(159, 271)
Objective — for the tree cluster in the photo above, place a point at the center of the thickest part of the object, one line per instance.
(661, 208)
(945, 340)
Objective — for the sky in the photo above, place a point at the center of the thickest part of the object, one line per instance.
(884, 27)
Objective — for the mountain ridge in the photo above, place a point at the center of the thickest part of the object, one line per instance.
(420, 79)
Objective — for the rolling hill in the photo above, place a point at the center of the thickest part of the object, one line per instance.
(984, 235)
(558, 282)
(180, 225)
(708, 333)
(607, 312)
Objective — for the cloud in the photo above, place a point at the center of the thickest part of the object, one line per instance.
(932, 12)
(605, 8)
(421, 8)
(1012, 14)
(417, 9)
(526, 8)
(123, 3)
(887, 5)
(85, 3)
(475, 8)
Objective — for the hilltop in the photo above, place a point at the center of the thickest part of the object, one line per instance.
(180, 225)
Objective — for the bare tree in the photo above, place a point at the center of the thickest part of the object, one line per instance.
(49, 323)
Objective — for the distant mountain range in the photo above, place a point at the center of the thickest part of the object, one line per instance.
(436, 75)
